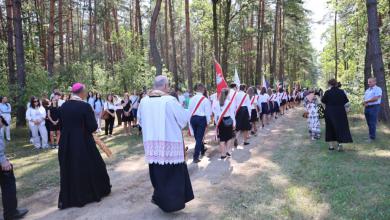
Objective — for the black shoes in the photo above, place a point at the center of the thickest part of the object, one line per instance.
(18, 214)
(196, 161)
(228, 154)
(246, 143)
(204, 151)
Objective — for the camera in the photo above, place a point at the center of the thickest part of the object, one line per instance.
(3, 121)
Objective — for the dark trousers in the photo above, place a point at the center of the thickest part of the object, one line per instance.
(198, 124)
(8, 192)
(119, 113)
(371, 113)
(109, 125)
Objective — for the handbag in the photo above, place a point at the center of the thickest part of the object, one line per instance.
(227, 122)
(105, 115)
(321, 111)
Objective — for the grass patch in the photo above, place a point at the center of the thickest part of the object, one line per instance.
(306, 181)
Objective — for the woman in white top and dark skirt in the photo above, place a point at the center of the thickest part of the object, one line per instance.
(127, 116)
(109, 110)
(5, 112)
(243, 114)
(225, 119)
(262, 103)
(252, 92)
(53, 114)
(35, 116)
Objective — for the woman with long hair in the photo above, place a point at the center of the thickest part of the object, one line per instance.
(271, 104)
(109, 109)
(35, 116)
(53, 115)
(252, 92)
(98, 107)
(225, 118)
(90, 98)
(127, 116)
(263, 104)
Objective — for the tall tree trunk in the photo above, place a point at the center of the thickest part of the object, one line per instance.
(68, 37)
(336, 60)
(20, 63)
(203, 62)
(50, 42)
(225, 46)
(90, 28)
(166, 38)
(275, 44)
(3, 32)
(281, 44)
(139, 22)
(367, 64)
(152, 39)
(116, 25)
(260, 43)
(188, 45)
(40, 15)
(10, 46)
(61, 32)
(173, 42)
(215, 29)
(377, 60)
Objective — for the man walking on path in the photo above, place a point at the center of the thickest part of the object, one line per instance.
(200, 109)
(372, 103)
(162, 119)
(8, 185)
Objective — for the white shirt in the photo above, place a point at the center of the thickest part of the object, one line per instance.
(34, 114)
(91, 101)
(134, 101)
(162, 120)
(253, 101)
(204, 108)
(218, 110)
(247, 103)
(118, 104)
(182, 100)
(5, 108)
(109, 106)
(371, 93)
(263, 99)
(60, 102)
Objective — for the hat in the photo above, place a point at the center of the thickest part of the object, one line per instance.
(77, 87)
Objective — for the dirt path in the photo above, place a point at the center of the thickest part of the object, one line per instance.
(212, 180)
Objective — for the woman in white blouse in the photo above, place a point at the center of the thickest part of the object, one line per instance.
(225, 118)
(35, 116)
(263, 104)
(109, 108)
(5, 112)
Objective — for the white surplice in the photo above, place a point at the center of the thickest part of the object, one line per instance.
(162, 119)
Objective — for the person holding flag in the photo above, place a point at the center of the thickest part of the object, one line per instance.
(200, 109)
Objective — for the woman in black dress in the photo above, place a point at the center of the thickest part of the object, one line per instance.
(83, 173)
(127, 116)
(53, 115)
(336, 120)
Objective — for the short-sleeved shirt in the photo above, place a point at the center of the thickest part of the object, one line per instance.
(371, 93)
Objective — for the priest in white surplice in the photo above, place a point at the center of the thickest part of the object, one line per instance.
(162, 119)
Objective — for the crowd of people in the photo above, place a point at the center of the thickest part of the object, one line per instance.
(238, 112)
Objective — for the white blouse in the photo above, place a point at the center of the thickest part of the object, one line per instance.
(109, 106)
(263, 98)
(218, 110)
(34, 114)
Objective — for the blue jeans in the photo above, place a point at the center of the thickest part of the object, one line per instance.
(198, 124)
(371, 113)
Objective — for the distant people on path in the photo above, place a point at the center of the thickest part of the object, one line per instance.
(162, 119)
(225, 122)
(313, 120)
(109, 115)
(336, 120)
(8, 185)
(372, 103)
(200, 109)
(83, 173)
(5, 112)
(36, 116)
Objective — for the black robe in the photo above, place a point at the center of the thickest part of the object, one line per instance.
(336, 120)
(84, 177)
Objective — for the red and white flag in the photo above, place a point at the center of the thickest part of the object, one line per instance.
(221, 83)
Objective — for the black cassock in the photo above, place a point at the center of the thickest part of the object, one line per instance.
(336, 120)
(84, 177)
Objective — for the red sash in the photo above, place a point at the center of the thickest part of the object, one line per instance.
(242, 101)
(253, 99)
(197, 105)
(224, 112)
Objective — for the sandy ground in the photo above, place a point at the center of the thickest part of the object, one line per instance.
(212, 181)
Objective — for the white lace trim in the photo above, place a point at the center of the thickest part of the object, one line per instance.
(164, 152)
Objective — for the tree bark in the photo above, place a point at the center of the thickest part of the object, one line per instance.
(61, 32)
(275, 44)
(10, 45)
(367, 64)
(20, 62)
(152, 39)
(336, 60)
(377, 60)
(166, 38)
(188, 45)
(281, 44)
(215, 29)
(260, 43)
(173, 42)
(225, 45)
(139, 21)
(50, 42)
